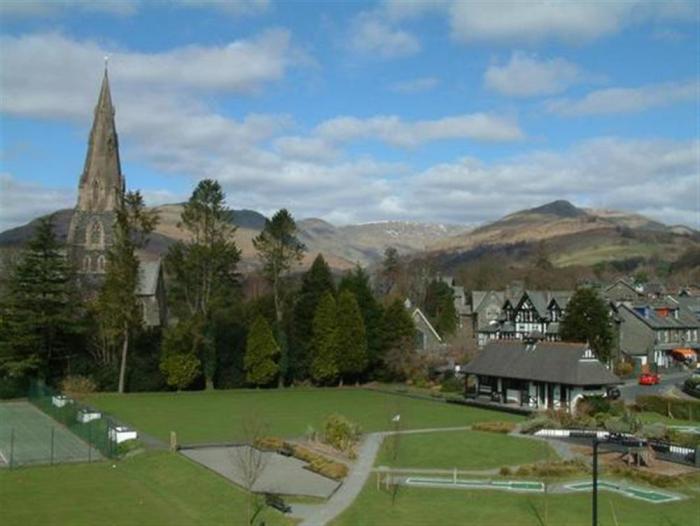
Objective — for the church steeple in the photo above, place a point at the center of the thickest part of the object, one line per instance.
(101, 183)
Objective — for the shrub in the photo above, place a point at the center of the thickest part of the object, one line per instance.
(328, 468)
(505, 471)
(673, 407)
(494, 427)
(340, 433)
(590, 405)
(559, 468)
(269, 443)
(452, 384)
(623, 369)
(656, 430)
(77, 386)
(539, 422)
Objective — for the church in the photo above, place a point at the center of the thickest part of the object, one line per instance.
(91, 230)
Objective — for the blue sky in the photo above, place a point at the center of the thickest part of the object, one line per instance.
(439, 111)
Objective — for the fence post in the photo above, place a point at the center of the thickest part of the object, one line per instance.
(53, 429)
(12, 447)
(89, 441)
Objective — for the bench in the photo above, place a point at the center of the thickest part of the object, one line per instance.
(275, 501)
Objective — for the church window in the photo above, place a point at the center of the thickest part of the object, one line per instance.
(95, 235)
(87, 264)
(100, 263)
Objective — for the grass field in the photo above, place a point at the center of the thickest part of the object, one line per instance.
(149, 489)
(200, 417)
(427, 506)
(462, 450)
(26, 434)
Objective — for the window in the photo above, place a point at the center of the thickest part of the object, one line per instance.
(95, 234)
(87, 264)
(100, 263)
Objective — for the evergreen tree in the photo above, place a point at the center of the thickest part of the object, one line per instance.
(440, 307)
(391, 270)
(587, 319)
(398, 334)
(261, 353)
(40, 315)
(357, 282)
(118, 307)
(182, 344)
(278, 248)
(351, 337)
(324, 343)
(203, 269)
(315, 283)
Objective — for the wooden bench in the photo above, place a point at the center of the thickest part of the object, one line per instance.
(275, 501)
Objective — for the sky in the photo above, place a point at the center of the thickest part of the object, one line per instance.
(431, 111)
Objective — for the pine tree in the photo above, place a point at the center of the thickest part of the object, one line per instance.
(203, 269)
(41, 313)
(118, 307)
(261, 353)
(587, 319)
(315, 283)
(278, 248)
(351, 338)
(440, 307)
(179, 362)
(398, 333)
(357, 282)
(324, 343)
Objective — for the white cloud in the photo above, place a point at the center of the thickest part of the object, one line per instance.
(647, 176)
(371, 35)
(391, 129)
(526, 75)
(22, 201)
(230, 7)
(534, 21)
(45, 8)
(627, 100)
(416, 85)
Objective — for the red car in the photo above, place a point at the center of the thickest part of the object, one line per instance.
(649, 379)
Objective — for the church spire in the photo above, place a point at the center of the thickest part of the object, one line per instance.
(101, 183)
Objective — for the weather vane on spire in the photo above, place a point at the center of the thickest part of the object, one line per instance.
(106, 62)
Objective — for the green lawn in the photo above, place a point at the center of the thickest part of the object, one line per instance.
(203, 416)
(462, 450)
(150, 489)
(426, 506)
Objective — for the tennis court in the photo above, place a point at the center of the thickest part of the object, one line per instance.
(28, 436)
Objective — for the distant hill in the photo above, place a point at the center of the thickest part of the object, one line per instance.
(571, 235)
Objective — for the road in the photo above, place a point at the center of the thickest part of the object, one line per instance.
(632, 389)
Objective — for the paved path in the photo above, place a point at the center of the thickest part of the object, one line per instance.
(318, 515)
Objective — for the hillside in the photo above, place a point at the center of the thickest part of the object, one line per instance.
(571, 235)
(342, 246)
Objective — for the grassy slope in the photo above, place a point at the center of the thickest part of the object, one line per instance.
(147, 490)
(213, 416)
(424, 506)
(463, 450)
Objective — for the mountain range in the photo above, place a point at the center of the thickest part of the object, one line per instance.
(572, 235)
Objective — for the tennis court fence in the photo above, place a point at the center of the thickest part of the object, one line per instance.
(96, 430)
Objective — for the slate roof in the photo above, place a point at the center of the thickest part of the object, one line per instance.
(148, 277)
(686, 319)
(554, 362)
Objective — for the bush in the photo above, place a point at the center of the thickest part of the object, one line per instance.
(559, 468)
(590, 405)
(494, 427)
(340, 433)
(656, 430)
(672, 407)
(623, 369)
(505, 471)
(539, 422)
(269, 443)
(452, 384)
(77, 386)
(318, 463)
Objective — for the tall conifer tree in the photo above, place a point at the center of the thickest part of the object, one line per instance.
(324, 343)
(261, 353)
(351, 337)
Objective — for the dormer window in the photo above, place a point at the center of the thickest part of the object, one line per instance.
(588, 354)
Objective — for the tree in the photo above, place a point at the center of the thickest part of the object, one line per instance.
(118, 307)
(357, 282)
(440, 307)
(40, 315)
(261, 352)
(181, 346)
(203, 268)
(399, 333)
(315, 283)
(278, 248)
(249, 461)
(587, 319)
(351, 338)
(324, 343)
(391, 269)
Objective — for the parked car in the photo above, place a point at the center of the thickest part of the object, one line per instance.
(649, 379)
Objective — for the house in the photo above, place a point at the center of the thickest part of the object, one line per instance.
(462, 308)
(650, 332)
(532, 313)
(539, 375)
(91, 230)
(427, 338)
(622, 291)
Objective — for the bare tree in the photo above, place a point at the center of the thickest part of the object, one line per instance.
(249, 461)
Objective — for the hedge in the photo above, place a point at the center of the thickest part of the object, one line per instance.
(670, 407)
